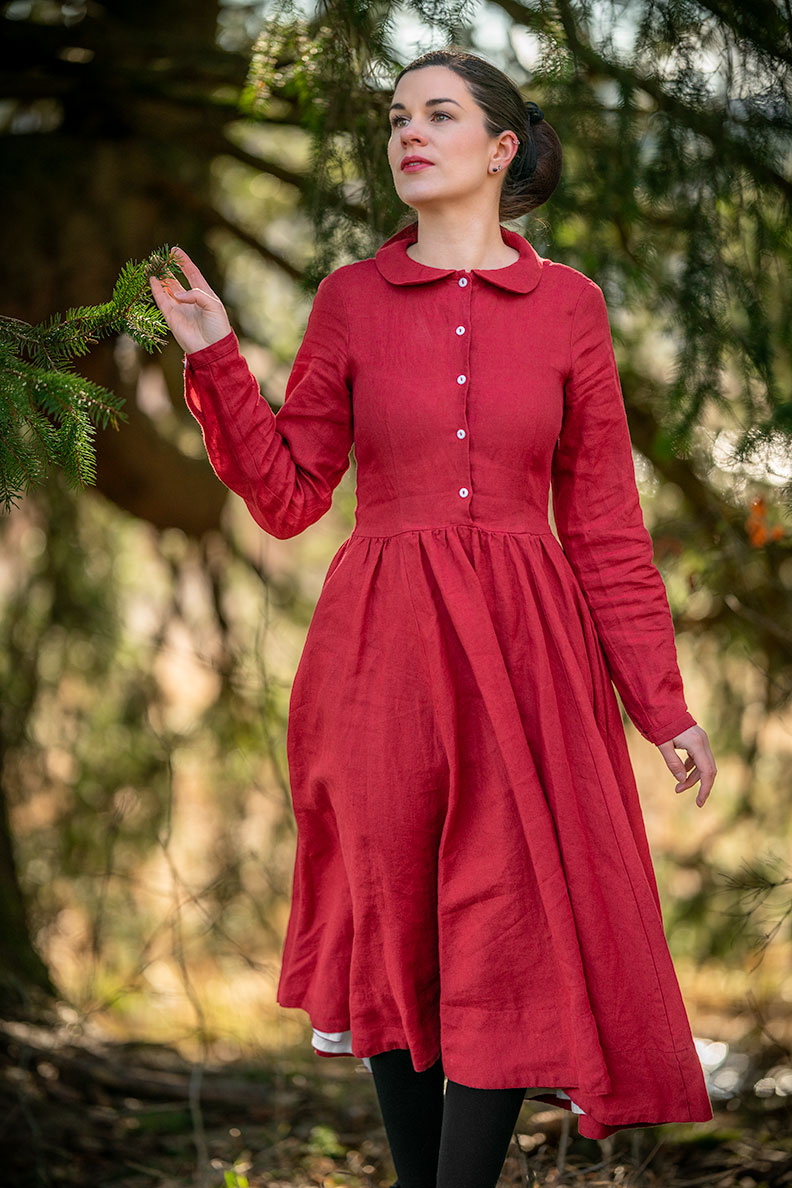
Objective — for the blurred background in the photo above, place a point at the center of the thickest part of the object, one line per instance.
(149, 630)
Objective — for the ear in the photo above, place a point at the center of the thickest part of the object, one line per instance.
(505, 152)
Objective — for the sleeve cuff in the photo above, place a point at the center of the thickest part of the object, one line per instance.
(208, 355)
(667, 733)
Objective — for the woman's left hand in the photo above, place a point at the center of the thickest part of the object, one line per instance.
(699, 765)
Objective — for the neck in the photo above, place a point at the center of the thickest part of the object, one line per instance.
(450, 242)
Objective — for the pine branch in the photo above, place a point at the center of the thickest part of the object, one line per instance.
(754, 886)
(48, 412)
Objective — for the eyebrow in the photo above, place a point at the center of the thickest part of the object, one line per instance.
(429, 103)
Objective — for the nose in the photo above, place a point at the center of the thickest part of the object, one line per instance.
(412, 133)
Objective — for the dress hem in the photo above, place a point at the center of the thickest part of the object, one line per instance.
(339, 1043)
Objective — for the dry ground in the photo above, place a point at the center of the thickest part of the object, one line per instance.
(99, 1115)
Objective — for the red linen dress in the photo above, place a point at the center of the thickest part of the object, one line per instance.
(472, 875)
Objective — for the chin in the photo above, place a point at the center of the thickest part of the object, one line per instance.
(425, 193)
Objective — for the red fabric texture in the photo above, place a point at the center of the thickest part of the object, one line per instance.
(472, 874)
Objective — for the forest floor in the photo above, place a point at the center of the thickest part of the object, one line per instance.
(107, 1115)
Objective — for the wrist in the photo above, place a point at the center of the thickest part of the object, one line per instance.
(208, 353)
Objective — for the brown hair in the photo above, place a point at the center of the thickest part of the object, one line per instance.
(524, 186)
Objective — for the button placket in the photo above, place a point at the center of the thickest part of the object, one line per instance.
(463, 384)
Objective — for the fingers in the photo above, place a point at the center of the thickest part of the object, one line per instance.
(197, 295)
(158, 292)
(690, 777)
(705, 772)
(192, 297)
(169, 287)
(673, 760)
(194, 275)
(165, 295)
(708, 770)
(707, 778)
(703, 793)
(699, 766)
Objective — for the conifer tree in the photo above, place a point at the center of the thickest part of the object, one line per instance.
(675, 197)
(675, 121)
(48, 411)
(676, 193)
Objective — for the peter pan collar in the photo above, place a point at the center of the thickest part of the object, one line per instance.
(400, 269)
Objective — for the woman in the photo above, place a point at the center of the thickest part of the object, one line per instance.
(473, 897)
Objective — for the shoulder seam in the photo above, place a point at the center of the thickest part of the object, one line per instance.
(572, 321)
(590, 287)
(343, 305)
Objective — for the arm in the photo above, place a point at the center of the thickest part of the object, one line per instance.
(601, 528)
(284, 465)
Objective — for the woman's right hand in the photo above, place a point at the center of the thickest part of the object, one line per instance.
(196, 317)
(699, 765)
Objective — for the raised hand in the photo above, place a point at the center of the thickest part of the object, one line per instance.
(196, 317)
(700, 759)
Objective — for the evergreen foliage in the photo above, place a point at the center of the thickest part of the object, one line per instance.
(676, 190)
(675, 121)
(48, 412)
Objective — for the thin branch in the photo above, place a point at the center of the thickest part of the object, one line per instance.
(211, 217)
(759, 22)
(353, 209)
(710, 126)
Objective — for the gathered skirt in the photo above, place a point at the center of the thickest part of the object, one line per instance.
(472, 876)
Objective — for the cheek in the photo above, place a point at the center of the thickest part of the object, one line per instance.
(470, 148)
(462, 151)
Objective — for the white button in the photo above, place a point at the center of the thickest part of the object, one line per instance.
(461, 379)
(460, 432)
(462, 282)
(460, 330)
(463, 491)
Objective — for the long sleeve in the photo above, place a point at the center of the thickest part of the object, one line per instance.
(284, 465)
(601, 528)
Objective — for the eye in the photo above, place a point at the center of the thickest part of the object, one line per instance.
(395, 119)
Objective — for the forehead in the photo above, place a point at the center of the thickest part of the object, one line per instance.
(431, 82)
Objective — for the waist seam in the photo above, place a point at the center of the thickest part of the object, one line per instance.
(446, 527)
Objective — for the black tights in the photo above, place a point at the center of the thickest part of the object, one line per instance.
(459, 1141)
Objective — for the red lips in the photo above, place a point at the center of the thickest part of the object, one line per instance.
(415, 161)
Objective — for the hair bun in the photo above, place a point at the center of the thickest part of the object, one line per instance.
(533, 115)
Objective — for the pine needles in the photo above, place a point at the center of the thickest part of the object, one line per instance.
(48, 411)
